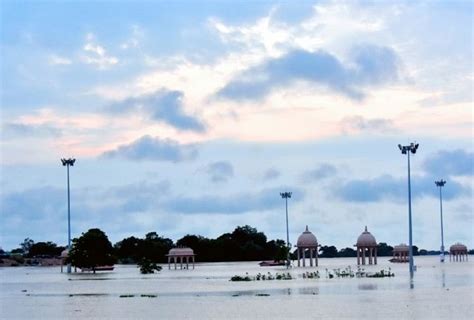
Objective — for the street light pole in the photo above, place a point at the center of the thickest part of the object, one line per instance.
(286, 195)
(441, 184)
(411, 148)
(67, 163)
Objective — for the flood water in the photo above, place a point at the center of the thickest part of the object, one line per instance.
(439, 291)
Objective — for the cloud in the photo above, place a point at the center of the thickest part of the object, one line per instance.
(162, 105)
(18, 130)
(354, 124)
(450, 163)
(323, 171)
(387, 187)
(97, 55)
(370, 66)
(153, 149)
(266, 199)
(220, 171)
(271, 174)
(58, 60)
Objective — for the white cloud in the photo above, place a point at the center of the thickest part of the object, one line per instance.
(58, 60)
(97, 55)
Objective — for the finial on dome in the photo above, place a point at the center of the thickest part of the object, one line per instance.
(307, 228)
(365, 228)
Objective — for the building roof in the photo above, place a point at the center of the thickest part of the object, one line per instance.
(402, 247)
(307, 240)
(458, 247)
(366, 239)
(180, 252)
(64, 253)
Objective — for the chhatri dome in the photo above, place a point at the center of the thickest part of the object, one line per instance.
(366, 245)
(307, 239)
(307, 242)
(366, 239)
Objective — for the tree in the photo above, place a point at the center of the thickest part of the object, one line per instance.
(328, 252)
(26, 245)
(48, 249)
(147, 266)
(91, 250)
(347, 252)
(384, 250)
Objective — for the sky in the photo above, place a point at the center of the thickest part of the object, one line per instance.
(190, 117)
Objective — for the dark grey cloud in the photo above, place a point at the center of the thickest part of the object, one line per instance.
(271, 174)
(154, 149)
(163, 105)
(220, 171)
(370, 66)
(266, 199)
(387, 187)
(323, 171)
(21, 130)
(450, 163)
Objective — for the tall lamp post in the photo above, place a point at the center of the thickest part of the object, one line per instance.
(411, 148)
(67, 163)
(441, 184)
(286, 195)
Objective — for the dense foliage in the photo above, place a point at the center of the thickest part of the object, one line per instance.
(152, 248)
(91, 249)
(45, 249)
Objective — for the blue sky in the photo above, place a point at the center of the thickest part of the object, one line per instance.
(189, 117)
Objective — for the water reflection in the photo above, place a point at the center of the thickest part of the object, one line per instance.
(367, 286)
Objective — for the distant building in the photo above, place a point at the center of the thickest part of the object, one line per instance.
(400, 253)
(458, 252)
(366, 244)
(307, 241)
(180, 255)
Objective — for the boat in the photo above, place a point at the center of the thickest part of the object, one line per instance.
(98, 268)
(271, 263)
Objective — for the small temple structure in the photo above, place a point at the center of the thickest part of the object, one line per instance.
(458, 252)
(180, 255)
(366, 244)
(307, 241)
(400, 253)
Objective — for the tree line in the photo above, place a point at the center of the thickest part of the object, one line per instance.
(244, 243)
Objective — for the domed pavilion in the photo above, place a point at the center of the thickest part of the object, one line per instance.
(400, 253)
(458, 252)
(307, 241)
(181, 255)
(366, 244)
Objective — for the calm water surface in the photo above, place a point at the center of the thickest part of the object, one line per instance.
(440, 291)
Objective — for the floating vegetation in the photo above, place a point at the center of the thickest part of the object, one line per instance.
(263, 277)
(262, 295)
(127, 296)
(148, 295)
(330, 274)
(381, 274)
(311, 275)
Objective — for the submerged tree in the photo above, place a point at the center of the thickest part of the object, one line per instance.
(90, 250)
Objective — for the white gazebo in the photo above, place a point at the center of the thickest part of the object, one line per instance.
(181, 255)
(307, 241)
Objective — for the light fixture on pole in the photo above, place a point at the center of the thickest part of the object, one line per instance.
(67, 163)
(441, 184)
(286, 195)
(411, 148)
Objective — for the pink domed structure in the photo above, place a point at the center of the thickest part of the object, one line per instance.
(181, 255)
(366, 243)
(307, 241)
(458, 252)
